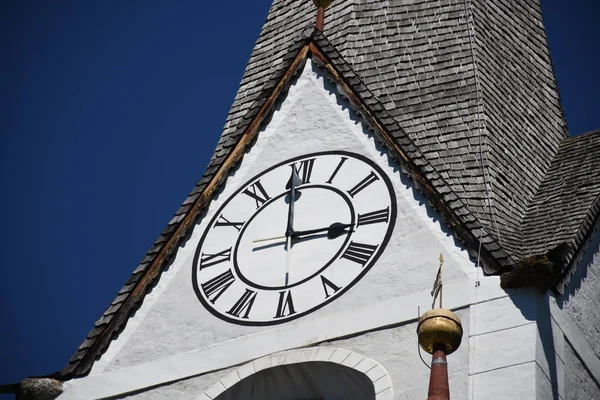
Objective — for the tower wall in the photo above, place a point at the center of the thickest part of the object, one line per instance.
(581, 300)
(514, 342)
(513, 348)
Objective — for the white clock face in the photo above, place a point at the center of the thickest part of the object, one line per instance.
(275, 251)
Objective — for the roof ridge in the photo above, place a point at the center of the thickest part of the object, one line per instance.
(578, 136)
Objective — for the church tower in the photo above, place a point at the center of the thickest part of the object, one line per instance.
(368, 137)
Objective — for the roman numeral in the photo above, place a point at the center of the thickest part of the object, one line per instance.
(326, 282)
(208, 260)
(243, 304)
(359, 252)
(217, 285)
(304, 170)
(258, 193)
(342, 161)
(222, 221)
(373, 217)
(286, 304)
(363, 184)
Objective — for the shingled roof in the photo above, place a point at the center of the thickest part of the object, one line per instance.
(464, 99)
(567, 202)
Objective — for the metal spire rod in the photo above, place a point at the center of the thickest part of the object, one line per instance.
(321, 6)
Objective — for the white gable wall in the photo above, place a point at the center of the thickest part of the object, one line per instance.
(173, 337)
(309, 120)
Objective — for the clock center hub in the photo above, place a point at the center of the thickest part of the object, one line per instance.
(263, 264)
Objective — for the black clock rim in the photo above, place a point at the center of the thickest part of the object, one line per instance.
(381, 247)
(248, 282)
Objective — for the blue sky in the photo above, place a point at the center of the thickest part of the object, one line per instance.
(110, 113)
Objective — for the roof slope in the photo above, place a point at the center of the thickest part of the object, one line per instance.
(523, 115)
(568, 201)
(420, 59)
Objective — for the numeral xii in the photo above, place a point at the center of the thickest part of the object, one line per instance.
(304, 170)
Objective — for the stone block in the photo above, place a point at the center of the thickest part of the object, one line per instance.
(503, 313)
(516, 382)
(503, 349)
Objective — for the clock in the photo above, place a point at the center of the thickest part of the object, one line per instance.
(294, 238)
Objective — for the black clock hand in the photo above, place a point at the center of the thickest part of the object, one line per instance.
(334, 230)
(291, 185)
(294, 181)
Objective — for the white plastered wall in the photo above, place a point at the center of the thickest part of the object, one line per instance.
(577, 315)
(173, 338)
(310, 119)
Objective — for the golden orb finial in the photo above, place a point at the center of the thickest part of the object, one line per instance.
(439, 329)
(322, 3)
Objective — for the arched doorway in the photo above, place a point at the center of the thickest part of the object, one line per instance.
(332, 374)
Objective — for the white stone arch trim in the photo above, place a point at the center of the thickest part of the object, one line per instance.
(372, 369)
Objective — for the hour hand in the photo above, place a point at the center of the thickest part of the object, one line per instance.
(334, 230)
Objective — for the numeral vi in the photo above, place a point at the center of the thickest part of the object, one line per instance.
(285, 307)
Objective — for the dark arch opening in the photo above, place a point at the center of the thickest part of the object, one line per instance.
(303, 381)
